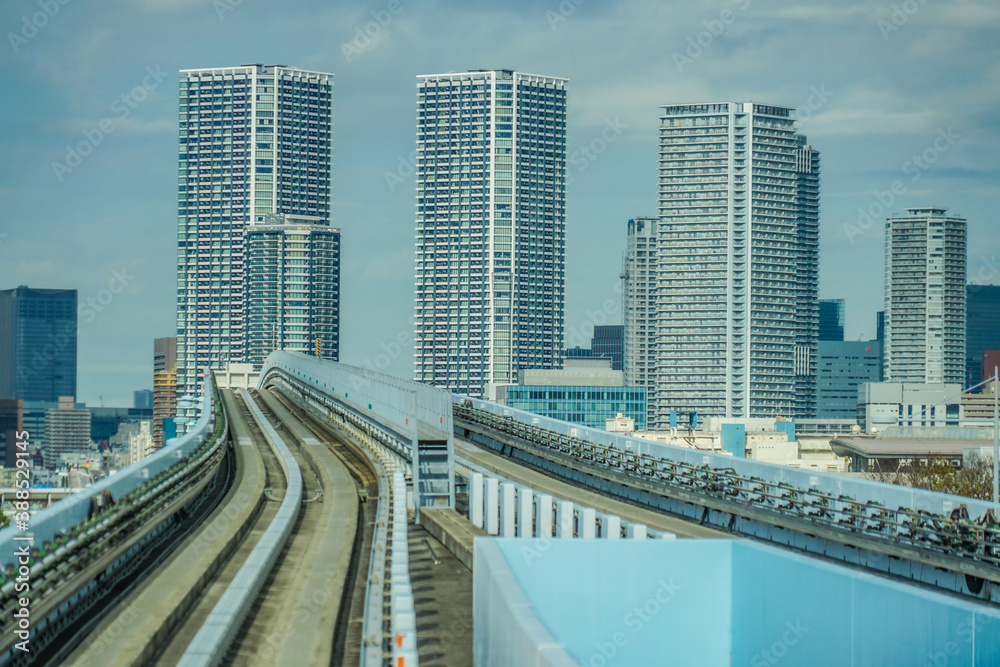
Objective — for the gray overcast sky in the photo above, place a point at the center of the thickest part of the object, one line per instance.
(901, 98)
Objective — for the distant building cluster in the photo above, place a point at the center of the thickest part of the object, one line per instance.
(258, 261)
(724, 342)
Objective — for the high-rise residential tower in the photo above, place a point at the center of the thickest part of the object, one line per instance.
(38, 343)
(733, 305)
(294, 287)
(491, 181)
(640, 307)
(925, 260)
(255, 140)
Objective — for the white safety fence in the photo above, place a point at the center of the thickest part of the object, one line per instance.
(403, 622)
(506, 509)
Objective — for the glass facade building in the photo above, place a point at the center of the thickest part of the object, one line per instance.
(255, 140)
(982, 330)
(607, 343)
(294, 288)
(925, 288)
(38, 343)
(588, 406)
(831, 319)
(490, 246)
(731, 291)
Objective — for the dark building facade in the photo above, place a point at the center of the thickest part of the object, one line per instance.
(37, 343)
(982, 328)
(11, 423)
(608, 343)
(831, 319)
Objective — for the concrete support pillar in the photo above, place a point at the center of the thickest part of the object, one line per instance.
(492, 506)
(508, 500)
(588, 524)
(565, 519)
(476, 499)
(636, 531)
(525, 512)
(543, 516)
(611, 527)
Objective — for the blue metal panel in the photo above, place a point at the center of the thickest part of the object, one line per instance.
(719, 602)
(734, 439)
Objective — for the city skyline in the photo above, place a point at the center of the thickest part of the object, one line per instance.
(904, 115)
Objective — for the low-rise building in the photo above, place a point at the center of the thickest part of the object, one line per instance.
(884, 404)
(585, 391)
(897, 446)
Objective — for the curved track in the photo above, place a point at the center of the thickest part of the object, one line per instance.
(301, 614)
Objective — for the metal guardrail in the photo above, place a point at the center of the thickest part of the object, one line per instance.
(63, 515)
(210, 644)
(860, 490)
(847, 505)
(85, 529)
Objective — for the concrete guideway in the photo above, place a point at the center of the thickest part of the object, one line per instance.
(295, 617)
(137, 629)
(311, 577)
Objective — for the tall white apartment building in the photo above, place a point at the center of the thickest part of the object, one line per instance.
(925, 317)
(491, 182)
(732, 314)
(255, 140)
